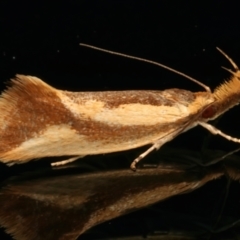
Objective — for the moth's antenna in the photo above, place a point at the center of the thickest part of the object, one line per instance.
(229, 59)
(148, 61)
(229, 70)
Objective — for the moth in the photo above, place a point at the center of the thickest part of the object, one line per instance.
(37, 120)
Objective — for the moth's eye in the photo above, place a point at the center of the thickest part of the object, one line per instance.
(208, 112)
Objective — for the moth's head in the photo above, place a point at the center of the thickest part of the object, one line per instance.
(227, 94)
(231, 87)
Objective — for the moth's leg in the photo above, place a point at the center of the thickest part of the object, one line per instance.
(63, 162)
(140, 157)
(155, 146)
(215, 160)
(216, 131)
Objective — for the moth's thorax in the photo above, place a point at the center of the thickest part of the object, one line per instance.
(40, 121)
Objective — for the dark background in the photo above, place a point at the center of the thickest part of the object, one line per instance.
(42, 39)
